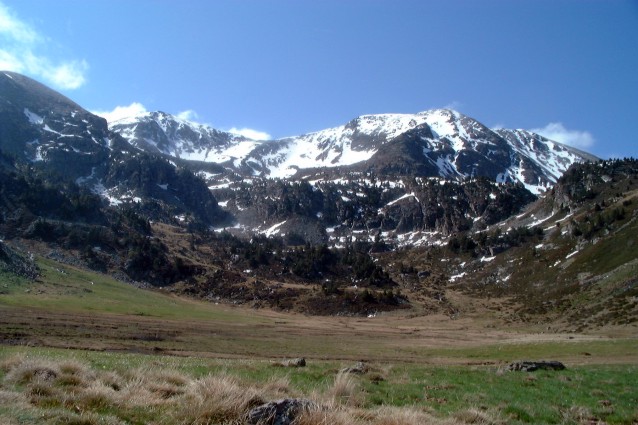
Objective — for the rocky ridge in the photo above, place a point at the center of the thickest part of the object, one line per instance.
(436, 143)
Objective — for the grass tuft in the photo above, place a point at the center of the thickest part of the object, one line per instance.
(327, 417)
(477, 417)
(403, 416)
(28, 370)
(216, 399)
(109, 388)
(343, 392)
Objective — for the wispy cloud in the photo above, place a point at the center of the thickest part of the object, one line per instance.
(556, 131)
(251, 133)
(121, 112)
(21, 48)
(455, 105)
(187, 115)
(15, 29)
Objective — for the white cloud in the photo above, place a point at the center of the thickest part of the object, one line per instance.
(8, 62)
(121, 112)
(556, 131)
(20, 52)
(68, 75)
(250, 133)
(187, 115)
(13, 28)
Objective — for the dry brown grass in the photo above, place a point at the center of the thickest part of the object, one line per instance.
(76, 392)
(327, 417)
(70, 392)
(403, 416)
(391, 416)
(30, 370)
(343, 392)
(215, 399)
(476, 416)
(577, 415)
(279, 386)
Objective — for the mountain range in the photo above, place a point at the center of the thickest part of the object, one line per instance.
(379, 213)
(436, 143)
(136, 159)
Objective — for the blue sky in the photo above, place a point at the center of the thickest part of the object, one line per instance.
(568, 68)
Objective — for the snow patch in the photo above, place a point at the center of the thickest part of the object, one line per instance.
(571, 254)
(33, 117)
(457, 276)
(273, 230)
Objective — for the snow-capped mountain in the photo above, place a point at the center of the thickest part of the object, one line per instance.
(440, 142)
(159, 132)
(60, 140)
(150, 158)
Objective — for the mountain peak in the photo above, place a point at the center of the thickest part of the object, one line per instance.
(35, 95)
(41, 125)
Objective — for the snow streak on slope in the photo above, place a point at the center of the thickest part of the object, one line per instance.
(551, 157)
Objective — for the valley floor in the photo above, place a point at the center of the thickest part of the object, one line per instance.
(423, 368)
(233, 332)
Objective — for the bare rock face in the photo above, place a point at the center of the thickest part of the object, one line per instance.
(13, 262)
(280, 412)
(531, 366)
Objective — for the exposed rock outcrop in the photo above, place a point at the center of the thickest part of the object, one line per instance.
(280, 412)
(531, 366)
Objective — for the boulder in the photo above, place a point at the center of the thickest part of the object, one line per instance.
(359, 369)
(299, 362)
(531, 366)
(280, 412)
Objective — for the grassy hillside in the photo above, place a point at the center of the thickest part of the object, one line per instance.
(70, 307)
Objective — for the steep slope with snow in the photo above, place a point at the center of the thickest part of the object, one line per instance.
(435, 143)
(58, 140)
(352, 143)
(42, 126)
(540, 162)
(158, 132)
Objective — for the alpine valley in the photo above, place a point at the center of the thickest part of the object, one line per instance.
(422, 213)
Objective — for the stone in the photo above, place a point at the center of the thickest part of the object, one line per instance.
(531, 366)
(359, 369)
(280, 412)
(299, 362)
